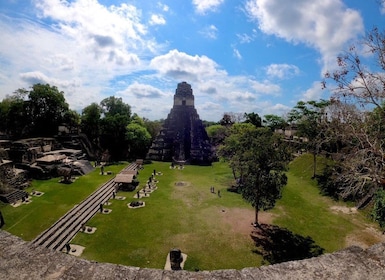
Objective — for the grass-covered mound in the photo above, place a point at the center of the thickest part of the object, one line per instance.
(332, 225)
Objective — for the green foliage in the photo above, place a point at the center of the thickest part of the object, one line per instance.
(90, 122)
(253, 118)
(46, 108)
(274, 122)
(112, 106)
(327, 181)
(153, 127)
(378, 212)
(117, 115)
(139, 139)
(216, 133)
(308, 117)
(13, 114)
(258, 158)
(38, 112)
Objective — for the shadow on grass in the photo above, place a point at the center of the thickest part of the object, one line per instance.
(278, 245)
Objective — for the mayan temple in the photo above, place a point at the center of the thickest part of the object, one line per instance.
(183, 138)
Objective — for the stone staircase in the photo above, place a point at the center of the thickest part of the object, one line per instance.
(62, 232)
(13, 196)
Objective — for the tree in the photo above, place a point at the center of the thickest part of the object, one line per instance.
(153, 127)
(90, 122)
(117, 115)
(253, 118)
(259, 157)
(310, 119)
(216, 133)
(46, 108)
(378, 212)
(13, 114)
(113, 106)
(359, 81)
(274, 122)
(231, 149)
(139, 139)
(231, 118)
(72, 118)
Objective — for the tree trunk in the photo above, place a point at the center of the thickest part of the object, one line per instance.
(314, 164)
(256, 222)
(1, 220)
(233, 170)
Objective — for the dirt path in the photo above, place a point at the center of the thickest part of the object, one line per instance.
(240, 219)
(365, 235)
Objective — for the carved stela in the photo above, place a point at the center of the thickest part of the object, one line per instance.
(183, 138)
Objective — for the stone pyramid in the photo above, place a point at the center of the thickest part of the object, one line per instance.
(183, 138)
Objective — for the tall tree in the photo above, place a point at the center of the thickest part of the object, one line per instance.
(139, 139)
(311, 118)
(274, 122)
(359, 80)
(259, 157)
(90, 122)
(253, 118)
(46, 108)
(13, 114)
(153, 127)
(216, 133)
(117, 115)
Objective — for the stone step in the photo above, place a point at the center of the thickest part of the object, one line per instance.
(62, 232)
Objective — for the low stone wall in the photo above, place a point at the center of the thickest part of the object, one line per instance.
(22, 260)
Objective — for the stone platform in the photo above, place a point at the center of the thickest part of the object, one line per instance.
(23, 260)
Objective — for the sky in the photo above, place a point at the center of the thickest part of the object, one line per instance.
(244, 56)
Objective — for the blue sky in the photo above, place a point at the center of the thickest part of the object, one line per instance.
(259, 56)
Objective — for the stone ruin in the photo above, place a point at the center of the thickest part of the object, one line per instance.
(176, 259)
(183, 138)
(37, 158)
(21, 260)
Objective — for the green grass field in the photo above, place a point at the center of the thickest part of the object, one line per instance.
(213, 231)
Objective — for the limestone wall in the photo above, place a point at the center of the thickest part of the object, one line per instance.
(21, 260)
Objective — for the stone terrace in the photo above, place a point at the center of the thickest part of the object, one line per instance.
(20, 260)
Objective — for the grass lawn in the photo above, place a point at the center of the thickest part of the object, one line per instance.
(332, 225)
(213, 231)
(188, 217)
(29, 220)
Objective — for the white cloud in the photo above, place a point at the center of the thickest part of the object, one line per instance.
(157, 20)
(103, 31)
(315, 92)
(203, 6)
(181, 66)
(245, 38)
(210, 32)
(236, 53)
(266, 87)
(78, 46)
(141, 91)
(382, 8)
(324, 25)
(282, 71)
(163, 7)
